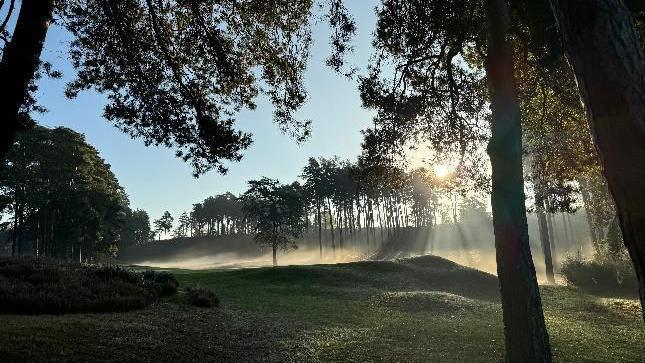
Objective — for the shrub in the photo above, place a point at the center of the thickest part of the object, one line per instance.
(37, 286)
(600, 276)
(161, 283)
(201, 296)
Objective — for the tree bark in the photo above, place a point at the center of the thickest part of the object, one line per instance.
(544, 236)
(525, 332)
(20, 60)
(586, 199)
(319, 229)
(604, 49)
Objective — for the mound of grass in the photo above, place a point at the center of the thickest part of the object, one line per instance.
(42, 286)
(432, 301)
(601, 277)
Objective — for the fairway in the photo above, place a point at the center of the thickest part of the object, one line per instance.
(412, 310)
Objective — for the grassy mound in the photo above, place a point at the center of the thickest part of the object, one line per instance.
(431, 301)
(41, 286)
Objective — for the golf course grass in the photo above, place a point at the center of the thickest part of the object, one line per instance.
(422, 309)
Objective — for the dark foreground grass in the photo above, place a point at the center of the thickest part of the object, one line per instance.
(420, 310)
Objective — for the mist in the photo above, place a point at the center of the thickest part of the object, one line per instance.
(469, 243)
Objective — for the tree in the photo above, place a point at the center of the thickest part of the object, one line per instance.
(19, 64)
(136, 229)
(603, 46)
(163, 224)
(63, 197)
(278, 213)
(438, 51)
(184, 225)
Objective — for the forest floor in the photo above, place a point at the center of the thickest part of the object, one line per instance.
(423, 309)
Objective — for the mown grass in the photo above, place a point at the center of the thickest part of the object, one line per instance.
(420, 310)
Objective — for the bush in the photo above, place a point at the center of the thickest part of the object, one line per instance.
(201, 296)
(601, 277)
(40, 286)
(161, 283)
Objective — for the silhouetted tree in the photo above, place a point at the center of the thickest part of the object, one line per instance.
(163, 224)
(277, 211)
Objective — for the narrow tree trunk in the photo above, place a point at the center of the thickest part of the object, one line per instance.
(14, 235)
(566, 240)
(525, 332)
(586, 199)
(603, 47)
(544, 236)
(331, 224)
(20, 60)
(552, 237)
(275, 254)
(319, 229)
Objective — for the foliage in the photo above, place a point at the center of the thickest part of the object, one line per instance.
(217, 215)
(201, 296)
(426, 83)
(136, 228)
(41, 286)
(176, 73)
(164, 223)
(61, 195)
(160, 283)
(277, 211)
(601, 276)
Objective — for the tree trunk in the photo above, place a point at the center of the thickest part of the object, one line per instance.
(604, 49)
(331, 224)
(525, 332)
(20, 60)
(319, 230)
(544, 236)
(552, 236)
(586, 199)
(275, 255)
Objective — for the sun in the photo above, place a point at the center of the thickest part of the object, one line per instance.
(441, 171)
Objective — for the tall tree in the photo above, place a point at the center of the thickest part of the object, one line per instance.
(438, 50)
(64, 199)
(605, 50)
(525, 331)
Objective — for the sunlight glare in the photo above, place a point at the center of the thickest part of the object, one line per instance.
(441, 170)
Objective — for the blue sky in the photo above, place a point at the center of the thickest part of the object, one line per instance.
(156, 181)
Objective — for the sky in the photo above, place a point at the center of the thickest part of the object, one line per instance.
(156, 180)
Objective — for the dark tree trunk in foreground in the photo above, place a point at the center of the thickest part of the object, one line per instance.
(544, 236)
(20, 60)
(275, 255)
(605, 51)
(525, 333)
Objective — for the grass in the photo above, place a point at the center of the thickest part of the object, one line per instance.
(419, 310)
